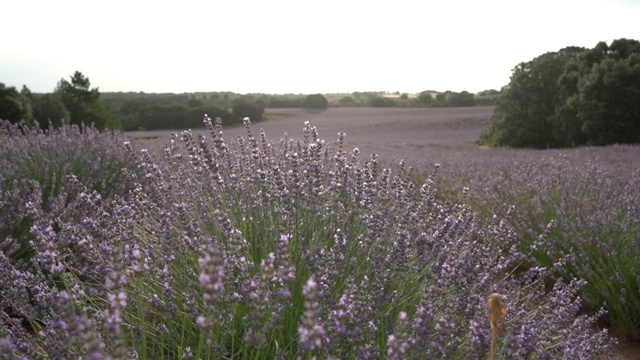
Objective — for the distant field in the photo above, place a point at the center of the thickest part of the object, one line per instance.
(392, 133)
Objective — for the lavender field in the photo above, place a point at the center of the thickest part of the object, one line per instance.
(393, 133)
(361, 234)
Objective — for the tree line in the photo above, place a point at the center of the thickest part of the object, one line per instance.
(572, 97)
(74, 101)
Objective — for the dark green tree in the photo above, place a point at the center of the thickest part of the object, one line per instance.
(571, 98)
(609, 102)
(599, 94)
(425, 98)
(285, 101)
(347, 101)
(48, 108)
(243, 108)
(83, 103)
(26, 92)
(461, 99)
(315, 102)
(379, 101)
(524, 114)
(14, 106)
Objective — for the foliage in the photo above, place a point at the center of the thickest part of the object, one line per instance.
(461, 99)
(315, 102)
(154, 113)
(243, 108)
(524, 114)
(572, 97)
(285, 101)
(379, 101)
(445, 99)
(48, 108)
(14, 106)
(487, 97)
(347, 101)
(606, 100)
(83, 103)
(425, 98)
(258, 250)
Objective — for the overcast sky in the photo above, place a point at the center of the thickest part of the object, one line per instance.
(297, 46)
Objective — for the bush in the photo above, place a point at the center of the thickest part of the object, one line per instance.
(587, 217)
(45, 173)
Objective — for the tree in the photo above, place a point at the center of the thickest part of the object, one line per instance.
(14, 106)
(315, 102)
(242, 108)
(599, 96)
(49, 108)
(379, 101)
(609, 102)
(525, 112)
(83, 103)
(461, 99)
(571, 98)
(425, 98)
(347, 101)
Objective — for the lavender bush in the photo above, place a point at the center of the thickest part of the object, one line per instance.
(292, 249)
(589, 198)
(35, 190)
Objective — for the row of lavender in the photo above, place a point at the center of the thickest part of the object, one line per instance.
(292, 249)
(591, 198)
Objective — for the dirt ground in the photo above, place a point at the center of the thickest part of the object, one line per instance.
(392, 133)
(627, 350)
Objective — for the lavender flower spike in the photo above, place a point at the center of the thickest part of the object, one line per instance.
(311, 331)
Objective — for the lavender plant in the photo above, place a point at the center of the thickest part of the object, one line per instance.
(589, 197)
(35, 191)
(291, 249)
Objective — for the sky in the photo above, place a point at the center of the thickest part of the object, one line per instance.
(295, 46)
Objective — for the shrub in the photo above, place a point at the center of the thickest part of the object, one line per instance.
(34, 178)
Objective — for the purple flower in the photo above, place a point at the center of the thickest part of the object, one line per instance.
(311, 332)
